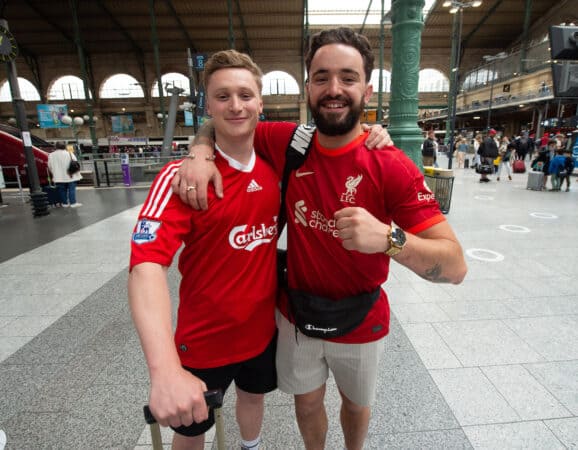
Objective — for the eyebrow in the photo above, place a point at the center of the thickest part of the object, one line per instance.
(341, 72)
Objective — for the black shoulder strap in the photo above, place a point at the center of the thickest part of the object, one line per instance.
(295, 155)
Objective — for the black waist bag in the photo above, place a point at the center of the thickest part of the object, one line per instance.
(321, 317)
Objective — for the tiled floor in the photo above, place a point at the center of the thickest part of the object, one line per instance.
(489, 364)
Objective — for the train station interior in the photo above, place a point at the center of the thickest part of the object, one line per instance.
(491, 363)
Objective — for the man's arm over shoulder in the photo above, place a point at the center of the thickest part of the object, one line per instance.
(271, 141)
(190, 183)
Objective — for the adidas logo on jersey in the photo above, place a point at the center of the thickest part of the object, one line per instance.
(254, 187)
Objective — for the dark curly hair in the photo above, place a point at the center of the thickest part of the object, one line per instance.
(345, 36)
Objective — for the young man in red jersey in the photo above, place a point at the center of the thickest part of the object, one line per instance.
(228, 272)
(342, 205)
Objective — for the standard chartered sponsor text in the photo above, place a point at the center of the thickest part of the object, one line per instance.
(319, 222)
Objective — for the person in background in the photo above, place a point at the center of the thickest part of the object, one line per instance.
(488, 151)
(461, 152)
(58, 164)
(555, 168)
(544, 141)
(568, 169)
(524, 146)
(477, 142)
(428, 149)
(341, 206)
(506, 152)
(541, 162)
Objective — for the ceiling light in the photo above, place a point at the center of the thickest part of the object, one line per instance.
(454, 9)
(447, 4)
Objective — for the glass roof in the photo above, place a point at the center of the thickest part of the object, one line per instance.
(348, 12)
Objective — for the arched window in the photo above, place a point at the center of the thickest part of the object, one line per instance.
(27, 90)
(121, 85)
(386, 80)
(172, 79)
(67, 87)
(432, 80)
(478, 78)
(279, 83)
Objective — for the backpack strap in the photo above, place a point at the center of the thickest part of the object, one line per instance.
(295, 155)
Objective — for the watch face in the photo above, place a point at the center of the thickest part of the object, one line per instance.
(398, 236)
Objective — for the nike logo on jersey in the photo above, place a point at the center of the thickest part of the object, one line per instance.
(302, 174)
(254, 187)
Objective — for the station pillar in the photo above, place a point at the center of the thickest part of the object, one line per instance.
(407, 25)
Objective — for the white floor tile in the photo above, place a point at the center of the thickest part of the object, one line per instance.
(524, 393)
(485, 342)
(472, 398)
(523, 435)
(432, 350)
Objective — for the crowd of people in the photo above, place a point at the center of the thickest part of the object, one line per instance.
(495, 152)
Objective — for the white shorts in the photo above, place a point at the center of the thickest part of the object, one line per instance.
(303, 364)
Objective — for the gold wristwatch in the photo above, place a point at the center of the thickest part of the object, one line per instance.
(396, 239)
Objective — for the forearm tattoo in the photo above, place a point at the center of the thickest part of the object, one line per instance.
(434, 274)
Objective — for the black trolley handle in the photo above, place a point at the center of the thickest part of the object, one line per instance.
(214, 399)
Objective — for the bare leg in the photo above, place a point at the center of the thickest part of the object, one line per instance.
(181, 442)
(249, 411)
(354, 422)
(312, 418)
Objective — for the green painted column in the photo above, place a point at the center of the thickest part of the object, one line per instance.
(407, 25)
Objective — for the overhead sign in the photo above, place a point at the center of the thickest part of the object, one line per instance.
(188, 118)
(199, 61)
(200, 110)
(49, 116)
(122, 124)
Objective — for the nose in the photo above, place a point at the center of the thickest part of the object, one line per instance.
(235, 103)
(333, 86)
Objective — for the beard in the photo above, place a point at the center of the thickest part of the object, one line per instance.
(329, 123)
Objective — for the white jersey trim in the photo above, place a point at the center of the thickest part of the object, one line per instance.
(161, 193)
(236, 164)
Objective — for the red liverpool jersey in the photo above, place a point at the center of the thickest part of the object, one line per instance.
(384, 182)
(229, 282)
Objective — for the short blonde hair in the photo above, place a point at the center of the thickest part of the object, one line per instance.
(232, 59)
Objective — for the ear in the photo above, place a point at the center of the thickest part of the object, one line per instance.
(260, 105)
(368, 93)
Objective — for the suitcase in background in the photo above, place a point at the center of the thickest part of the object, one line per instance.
(519, 166)
(535, 181)
(52, 193)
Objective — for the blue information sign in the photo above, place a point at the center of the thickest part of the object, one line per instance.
(49, 116)
(199, 61)
(188, 118)
(200, 110)
(122, 124)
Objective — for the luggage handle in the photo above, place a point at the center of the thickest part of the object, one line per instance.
(214, 399)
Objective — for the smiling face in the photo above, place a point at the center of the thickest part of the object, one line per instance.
(337, 90)
(234, 102)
